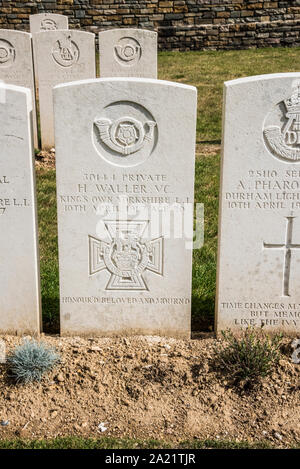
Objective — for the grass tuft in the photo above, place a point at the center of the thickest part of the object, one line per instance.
(250, 357)
(30, 361)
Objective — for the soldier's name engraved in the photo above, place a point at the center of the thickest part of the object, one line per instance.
(265, 189)
(131, 188)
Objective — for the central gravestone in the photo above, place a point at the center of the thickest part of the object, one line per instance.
(128, 53)
(61, 56)
(20, 309)
(259, 247)
(125, 153)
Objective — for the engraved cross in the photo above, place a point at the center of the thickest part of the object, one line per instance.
(286, 247)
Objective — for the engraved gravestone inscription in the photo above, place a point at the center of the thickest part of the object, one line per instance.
(259, 259)
(119, 170)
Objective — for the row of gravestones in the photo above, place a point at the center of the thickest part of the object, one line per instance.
(53, 54)
(125, 161)
(125, 155)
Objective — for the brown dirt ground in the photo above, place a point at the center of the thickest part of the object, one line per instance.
(149, 387)
(45, 159)
(204, 150)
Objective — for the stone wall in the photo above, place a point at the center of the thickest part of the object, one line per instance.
(181, 24)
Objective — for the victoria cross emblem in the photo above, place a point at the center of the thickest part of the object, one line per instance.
(283, 141)
(126, 256)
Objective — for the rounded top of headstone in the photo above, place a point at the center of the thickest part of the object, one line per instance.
(268, 76)
(133, 31)
(150, 81)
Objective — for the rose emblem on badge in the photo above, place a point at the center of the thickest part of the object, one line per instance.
(126, 135)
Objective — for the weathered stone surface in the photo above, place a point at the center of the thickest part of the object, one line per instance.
(47, 22)
(62, 56)
(16, 66)
(122, 148)
(259, 245)
(19, 267)
(128, 53)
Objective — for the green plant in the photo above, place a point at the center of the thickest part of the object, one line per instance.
(249, 357)
(30, 361)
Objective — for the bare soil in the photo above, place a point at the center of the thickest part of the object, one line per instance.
(203, 150)
(149, 387)
(45, 159)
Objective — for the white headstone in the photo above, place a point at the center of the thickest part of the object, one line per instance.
(259, 246)
(128, 53)
(47, 22)
(16, 64)
(62, 56)
(19, 267)
(125, 153)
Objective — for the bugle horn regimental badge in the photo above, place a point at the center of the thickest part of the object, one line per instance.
(125, 135)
